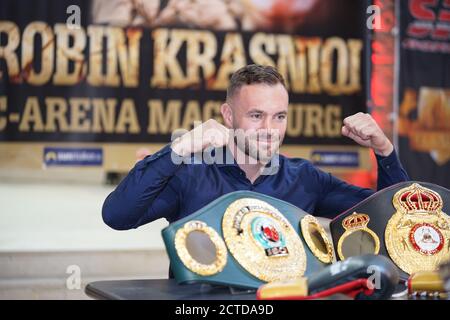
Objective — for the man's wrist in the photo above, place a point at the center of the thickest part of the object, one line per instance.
(385, 151)
(177, 147)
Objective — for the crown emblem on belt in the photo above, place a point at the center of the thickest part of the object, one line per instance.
(356, 221)
(417, 199)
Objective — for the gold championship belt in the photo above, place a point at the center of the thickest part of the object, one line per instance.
(405, 222)
(263, 242)
(245, 239)
(418, 234)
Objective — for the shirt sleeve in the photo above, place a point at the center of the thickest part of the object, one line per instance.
(338, 196)
(390, 171)
(147, 193)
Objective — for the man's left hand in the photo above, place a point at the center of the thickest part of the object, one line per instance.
(363, 129)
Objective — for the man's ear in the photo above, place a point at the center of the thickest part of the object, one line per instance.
(227, 114)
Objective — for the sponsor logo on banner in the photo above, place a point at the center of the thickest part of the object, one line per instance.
(73, 156)
(335, 158)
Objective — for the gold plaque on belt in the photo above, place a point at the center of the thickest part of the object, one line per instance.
(263, 241)
(317, 239)
(418, 234)
(200, 248)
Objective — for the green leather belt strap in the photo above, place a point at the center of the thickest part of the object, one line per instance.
(242, 239)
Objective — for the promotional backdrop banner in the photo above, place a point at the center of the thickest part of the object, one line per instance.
(108, 73)
(424, 112)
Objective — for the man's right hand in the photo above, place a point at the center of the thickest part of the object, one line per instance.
(209, 133)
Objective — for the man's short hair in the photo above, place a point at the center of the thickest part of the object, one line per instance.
(253, 74)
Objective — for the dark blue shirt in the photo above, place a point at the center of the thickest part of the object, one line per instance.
(159, 188)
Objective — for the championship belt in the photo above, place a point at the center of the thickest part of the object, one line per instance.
(245, 239)
(405, 222)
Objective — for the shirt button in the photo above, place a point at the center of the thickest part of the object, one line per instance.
(388, 167)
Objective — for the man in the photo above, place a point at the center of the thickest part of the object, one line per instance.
(165, 185)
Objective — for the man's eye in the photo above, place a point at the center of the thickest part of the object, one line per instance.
(281, 117)
(256, 116)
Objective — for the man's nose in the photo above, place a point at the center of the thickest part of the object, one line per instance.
(267, 124)
(268, 129)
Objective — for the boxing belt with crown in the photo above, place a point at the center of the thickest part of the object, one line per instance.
(406, 222)
(245, 239)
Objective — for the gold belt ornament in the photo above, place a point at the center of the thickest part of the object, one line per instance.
(357, 234)
(262, 241)
(206, 234)
(317, 239)
(418, 234)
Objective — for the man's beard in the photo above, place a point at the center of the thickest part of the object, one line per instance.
(256, 149)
